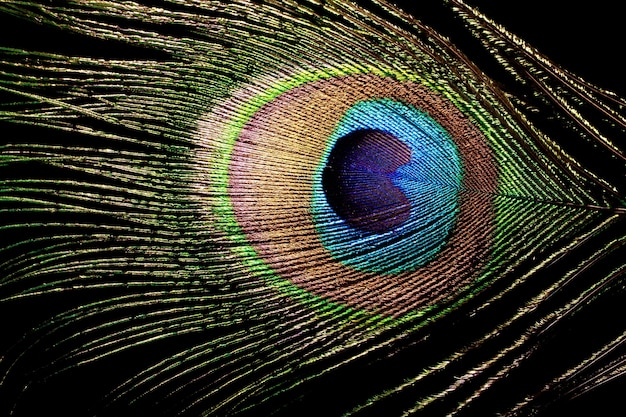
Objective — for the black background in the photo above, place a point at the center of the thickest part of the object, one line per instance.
(586, 38)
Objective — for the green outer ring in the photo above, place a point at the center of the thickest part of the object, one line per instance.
(247, 253)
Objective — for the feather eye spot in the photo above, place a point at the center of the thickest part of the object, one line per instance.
(319, 227)
(359, 180)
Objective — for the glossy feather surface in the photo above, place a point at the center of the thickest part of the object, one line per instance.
(303, 208)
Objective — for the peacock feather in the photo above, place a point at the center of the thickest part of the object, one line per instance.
(303, 208)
